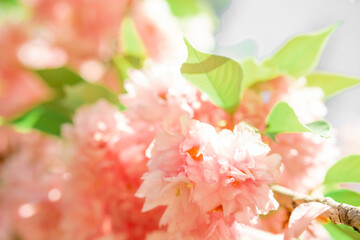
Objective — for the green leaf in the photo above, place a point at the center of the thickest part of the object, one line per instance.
(184, 8)
(58, 78)
(255, 72)
(10, 2)
(219, 77)
(6, 5)
(342, 178)
(331, 84)
(345, 196)
(46, 117)
(345, 170)
(301, 54)
(13, 11)
(341, 232)
(319, 127)
(130, 41)
(88, 93)
(282, 119)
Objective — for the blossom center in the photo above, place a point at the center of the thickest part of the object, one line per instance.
(194, 154)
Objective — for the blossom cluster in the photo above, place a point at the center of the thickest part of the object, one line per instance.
(172, 164)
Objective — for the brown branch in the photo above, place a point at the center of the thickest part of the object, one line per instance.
(339, 213)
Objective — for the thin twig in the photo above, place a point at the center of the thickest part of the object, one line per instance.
(339, 213)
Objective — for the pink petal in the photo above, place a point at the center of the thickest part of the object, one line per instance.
(301, 218)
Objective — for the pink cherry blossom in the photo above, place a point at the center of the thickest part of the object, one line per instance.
(306, 162)
(11, 38)
(95, 27)
(15, 83)
(157, 96)
(106, 159)
(93, 24)
(347, 138)
(159, 30)
(302, 216)
(15, 80)
(276, 223)
(314, 231)
(247, 232)
(39, 54)
(215, 176)
(31, 178)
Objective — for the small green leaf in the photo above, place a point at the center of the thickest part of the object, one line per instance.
(87, 93)
(301, 54)
(282, 119)
(255, 72)
(184, 8)
(219, 77)
(345, 170)
(58, 78)
(341, 232)
(331, 84)
(46, 117)
(319, 127)
(130, 41)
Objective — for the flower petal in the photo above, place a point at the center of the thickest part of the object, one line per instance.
(301, 218)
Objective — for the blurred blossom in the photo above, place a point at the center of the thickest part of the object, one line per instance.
(30, 172)
(92, 70)
(106, 159)
(349, 138)
(38, 54)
